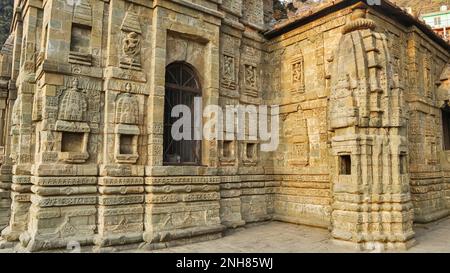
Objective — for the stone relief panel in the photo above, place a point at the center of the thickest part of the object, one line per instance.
(201, 210)
(126, 130)
(296, 135)
(72, 125)
(297, 74)
(228, 152)
(127, 109)
(397, 60)
(71, 122)
(73, 104)
(229, 72)
(251, 79)
(251, 72)
(131, 41)
(229, 65)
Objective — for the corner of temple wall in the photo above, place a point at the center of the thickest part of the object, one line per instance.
(5, 166)
(372, 202)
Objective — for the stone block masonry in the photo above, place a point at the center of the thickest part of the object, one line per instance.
(87, 156)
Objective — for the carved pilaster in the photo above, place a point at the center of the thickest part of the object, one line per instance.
(366, 160)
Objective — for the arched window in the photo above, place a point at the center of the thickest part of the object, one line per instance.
(182, 87)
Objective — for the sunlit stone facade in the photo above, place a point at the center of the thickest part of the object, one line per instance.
(364, 137)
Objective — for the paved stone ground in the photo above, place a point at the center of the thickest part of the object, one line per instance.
(276, 237)
(434, 237)
(280, 237)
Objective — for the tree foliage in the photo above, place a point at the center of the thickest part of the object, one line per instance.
(286, 8)
(6, 11)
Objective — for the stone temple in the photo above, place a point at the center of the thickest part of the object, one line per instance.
(87, 155)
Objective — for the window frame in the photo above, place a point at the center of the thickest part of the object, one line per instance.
(172, 89)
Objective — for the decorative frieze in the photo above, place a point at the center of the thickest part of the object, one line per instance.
(63, 201)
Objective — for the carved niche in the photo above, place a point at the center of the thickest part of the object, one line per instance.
(297, 74)
(131, 42)
(72, 126)
(80, 41)
(250, 70)
(229, 66)
(251, 80)
(227, 150)
(296, 133)
(126, 130)
(229, 72)
(250, 153)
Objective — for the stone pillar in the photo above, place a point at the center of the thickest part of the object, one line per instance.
(121, 182)
(5, 97)
(121, 185)
(6, 167)
(231, 33)
(21, 170)
(372, 203)
(66, 117)
(21, 153)
(63, 209)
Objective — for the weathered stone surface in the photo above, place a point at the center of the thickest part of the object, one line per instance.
(363, 101)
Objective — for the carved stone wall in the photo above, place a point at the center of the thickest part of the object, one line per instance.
(82, 124)
(426, 144)
(299, 64)
(362, 104)
(5, 182)
(349, 137)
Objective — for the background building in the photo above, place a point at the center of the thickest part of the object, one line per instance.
(439, 21)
